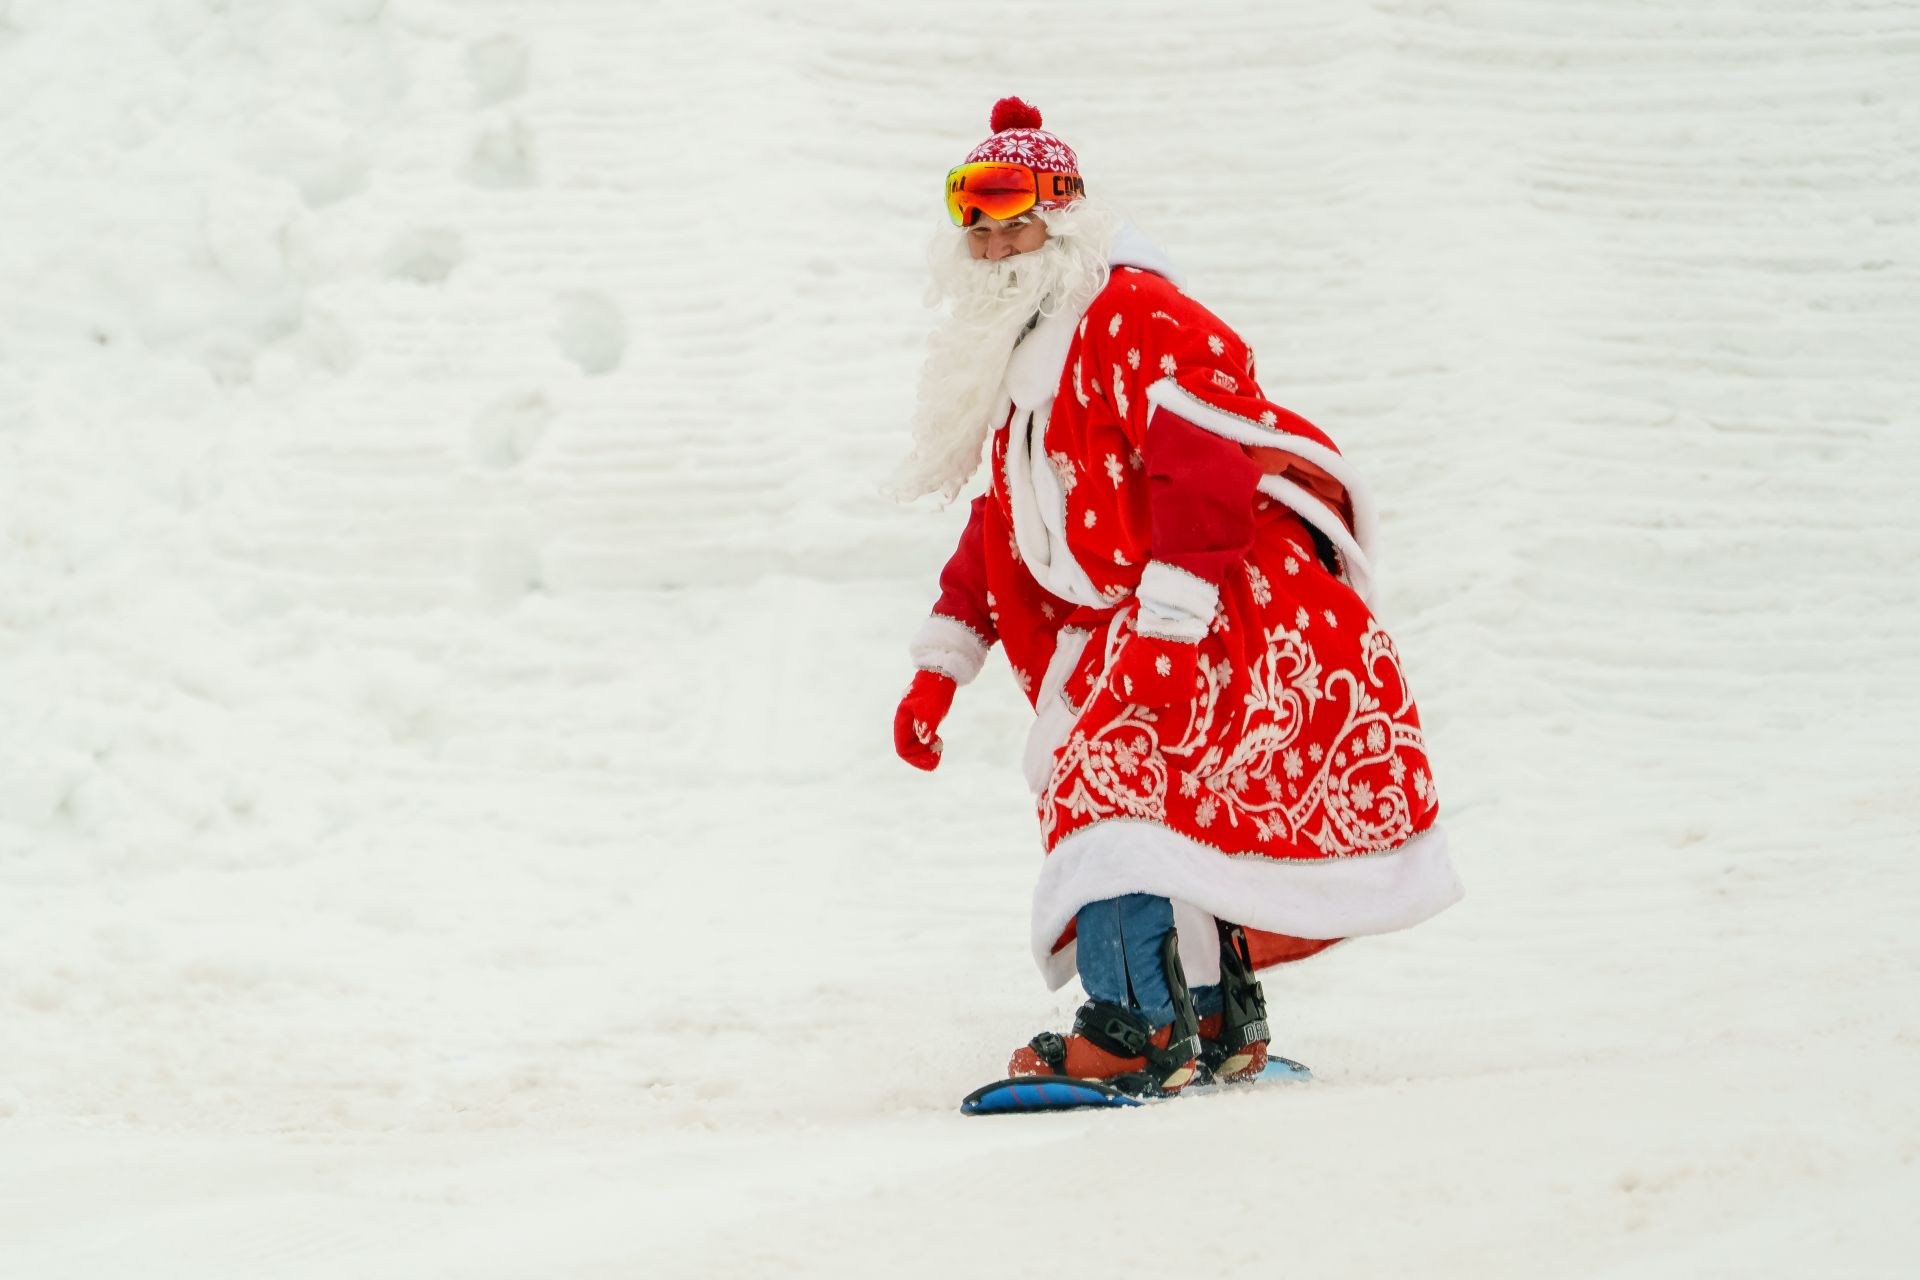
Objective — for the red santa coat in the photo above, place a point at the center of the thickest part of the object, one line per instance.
(1142, 483)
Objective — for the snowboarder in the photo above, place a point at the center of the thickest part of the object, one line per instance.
(1226, 759)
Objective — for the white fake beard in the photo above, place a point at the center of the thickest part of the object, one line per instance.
(991, 304)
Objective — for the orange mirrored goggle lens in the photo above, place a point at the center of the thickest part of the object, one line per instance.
(1003, 191)
(1000, 191)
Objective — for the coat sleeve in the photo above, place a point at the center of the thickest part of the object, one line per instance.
(955, 639)
(1200, 495)
(1201, 486)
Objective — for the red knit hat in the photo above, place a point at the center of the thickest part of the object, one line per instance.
(1019, 139)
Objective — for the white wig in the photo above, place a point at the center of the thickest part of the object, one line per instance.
(992, 304)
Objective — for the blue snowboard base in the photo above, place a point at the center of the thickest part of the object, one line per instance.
(1063, 1093)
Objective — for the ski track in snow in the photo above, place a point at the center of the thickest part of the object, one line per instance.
(439, 448)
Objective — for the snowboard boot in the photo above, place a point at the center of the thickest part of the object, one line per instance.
(1114, 1044)
(1233, 1042)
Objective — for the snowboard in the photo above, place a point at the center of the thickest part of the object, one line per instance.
(1063, 1093)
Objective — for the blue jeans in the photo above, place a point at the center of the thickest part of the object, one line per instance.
(1119, 957)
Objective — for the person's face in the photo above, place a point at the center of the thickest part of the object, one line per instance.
(992, 240)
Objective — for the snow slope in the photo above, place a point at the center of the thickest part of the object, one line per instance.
(448, 635)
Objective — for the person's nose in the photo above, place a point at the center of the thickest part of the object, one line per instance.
(999, 245)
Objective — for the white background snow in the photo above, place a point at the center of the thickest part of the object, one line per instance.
(449, 633)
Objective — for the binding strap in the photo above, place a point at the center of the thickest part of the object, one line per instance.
(1052, 1050)
(1124, 1033)
(1244, 1016)
(1115, 1028)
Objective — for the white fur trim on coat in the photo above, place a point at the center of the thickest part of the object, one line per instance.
(1040, 515)
(1329, 898)
(950, 647)
(1175, 604)
(1054, 716)
(1035, 367)
(1131, 249)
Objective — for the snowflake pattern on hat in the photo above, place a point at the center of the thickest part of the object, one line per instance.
(1019, 139)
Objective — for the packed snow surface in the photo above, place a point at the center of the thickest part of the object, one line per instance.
(449, 632)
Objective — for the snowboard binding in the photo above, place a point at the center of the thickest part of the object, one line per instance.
(1233, 1043)
(1112, 1058)
(1108, 1040)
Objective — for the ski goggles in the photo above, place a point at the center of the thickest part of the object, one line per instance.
(1002, 191)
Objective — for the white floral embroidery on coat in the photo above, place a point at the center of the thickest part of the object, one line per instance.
(1258, 584)
(1063, 468)
(1119, 769)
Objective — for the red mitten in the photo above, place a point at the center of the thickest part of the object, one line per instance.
(1153, 672)
(916, 724)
